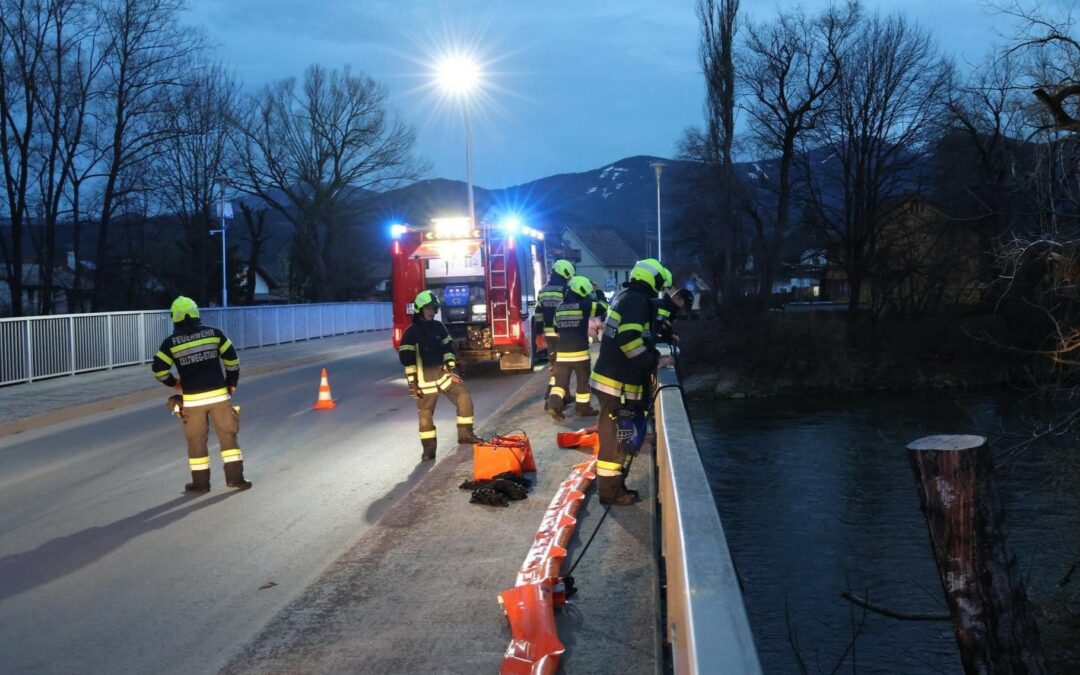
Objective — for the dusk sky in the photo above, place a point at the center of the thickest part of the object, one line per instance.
(569, 85)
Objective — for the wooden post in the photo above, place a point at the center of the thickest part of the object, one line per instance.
(986, 597)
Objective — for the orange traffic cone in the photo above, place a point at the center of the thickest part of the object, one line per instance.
(325, 402)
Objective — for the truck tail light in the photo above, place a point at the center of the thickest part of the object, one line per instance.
(397, 335)
(515, 330)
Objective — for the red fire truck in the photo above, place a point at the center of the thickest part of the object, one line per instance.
(486, 279)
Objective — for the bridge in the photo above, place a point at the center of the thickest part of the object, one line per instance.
(348, 555)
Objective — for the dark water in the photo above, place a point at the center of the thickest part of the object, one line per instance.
(817, 496)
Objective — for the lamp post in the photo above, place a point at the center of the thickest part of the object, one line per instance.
(458, 76)
(223, 182)
(658, 167)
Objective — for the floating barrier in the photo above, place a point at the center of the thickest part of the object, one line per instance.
(530, 605)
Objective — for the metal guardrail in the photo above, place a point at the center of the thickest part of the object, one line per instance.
(38, 347)
(707, 625)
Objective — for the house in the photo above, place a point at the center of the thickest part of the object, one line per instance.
(923, 260)
(267, 288)
(33, 286)
(802, 280)
(601, 254)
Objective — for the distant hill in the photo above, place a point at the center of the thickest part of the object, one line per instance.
(620, 195)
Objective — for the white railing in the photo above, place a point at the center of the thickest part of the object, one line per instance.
(38, 347)
(707, 625)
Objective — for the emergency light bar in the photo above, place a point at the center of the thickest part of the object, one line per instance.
(452, 228)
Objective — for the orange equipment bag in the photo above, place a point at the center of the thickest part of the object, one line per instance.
(511, 452)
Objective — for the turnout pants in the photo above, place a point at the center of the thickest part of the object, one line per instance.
(425, 408)
(552, 355)
(612, 461)
(226, 421)
(559, 389)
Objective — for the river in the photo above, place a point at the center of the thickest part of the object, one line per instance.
(816, 495)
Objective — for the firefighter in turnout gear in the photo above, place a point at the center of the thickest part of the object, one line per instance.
(548, 300)
(572, 325)
(427, 353)
(626, 362)
(198, 352)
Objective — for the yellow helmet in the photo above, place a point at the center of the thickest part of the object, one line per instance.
(564, 268)
(666, 273)
(425, 298)
(650, 271)
(580, 285)
(184, 308)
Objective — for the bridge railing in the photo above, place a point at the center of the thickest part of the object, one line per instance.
(707, 625)
(38, 347)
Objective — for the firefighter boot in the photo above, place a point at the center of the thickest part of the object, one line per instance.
(555, 407)
(465, 434)
(585, 410)
(200, 481)
(612, 491)
(234, 475)
(428, 445)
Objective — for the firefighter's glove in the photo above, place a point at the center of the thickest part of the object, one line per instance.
(414, 391)
(451, 369)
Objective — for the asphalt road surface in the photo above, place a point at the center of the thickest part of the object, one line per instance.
(106, 566)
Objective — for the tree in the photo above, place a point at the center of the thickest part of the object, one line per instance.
(310, 153)
(789, 67)
(71, 61)
(256, 236)
(881, 111)
(713, 146)
(24, 26)
(146, 51)
(200, 111)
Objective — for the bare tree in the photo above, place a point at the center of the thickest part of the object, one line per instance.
(146, 49)
(790, 64)
(24, 26)
(882, 108)
(713, 146)
(308, 152)
(201, 111)
(71, 61)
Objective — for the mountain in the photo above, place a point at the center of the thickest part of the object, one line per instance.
(621, 195)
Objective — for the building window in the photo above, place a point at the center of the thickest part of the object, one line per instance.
(626, 276)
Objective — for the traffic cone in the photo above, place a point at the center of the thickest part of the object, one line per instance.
(325, 401)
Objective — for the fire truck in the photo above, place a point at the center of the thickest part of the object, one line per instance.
(486, 278)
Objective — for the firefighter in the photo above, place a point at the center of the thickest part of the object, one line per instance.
(199, 352)
(427, 353)
(572, 325)
(548, 300)
(626, 362)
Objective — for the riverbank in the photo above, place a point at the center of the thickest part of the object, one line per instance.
(779, 355)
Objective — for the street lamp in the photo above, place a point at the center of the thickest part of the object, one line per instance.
(459, 76)
(658, 167)
(223, 182)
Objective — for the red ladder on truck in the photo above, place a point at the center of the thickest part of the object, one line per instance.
(498, 295)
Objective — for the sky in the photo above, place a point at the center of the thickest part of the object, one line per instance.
(566, 86)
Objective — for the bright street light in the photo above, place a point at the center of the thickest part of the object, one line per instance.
(460, 76)
(658, 167)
